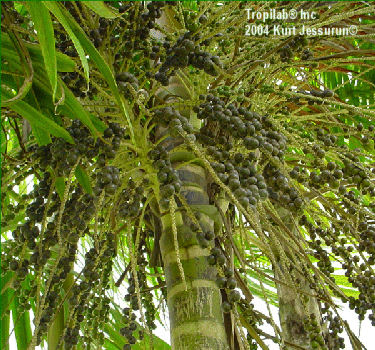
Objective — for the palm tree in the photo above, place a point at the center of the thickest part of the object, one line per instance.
(191, 152)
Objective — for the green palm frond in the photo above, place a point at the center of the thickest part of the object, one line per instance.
(143, 141)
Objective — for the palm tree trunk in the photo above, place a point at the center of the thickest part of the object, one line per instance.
(196, 319)
(293, 312)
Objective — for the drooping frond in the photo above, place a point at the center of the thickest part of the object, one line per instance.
(143, 112)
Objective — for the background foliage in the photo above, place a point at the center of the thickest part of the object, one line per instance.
(86, 89)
